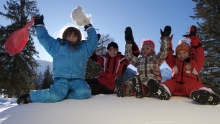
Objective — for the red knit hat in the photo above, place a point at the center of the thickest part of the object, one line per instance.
(183, 45)
(149, 43)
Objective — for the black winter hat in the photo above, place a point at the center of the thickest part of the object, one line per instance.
(112, 45)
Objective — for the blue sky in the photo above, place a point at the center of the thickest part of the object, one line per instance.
(145, 17)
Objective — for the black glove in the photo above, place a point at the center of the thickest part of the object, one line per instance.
(38, 20)
(128, 35)
(192, 31)
(166, 32)
(87, 26)
(98, 35)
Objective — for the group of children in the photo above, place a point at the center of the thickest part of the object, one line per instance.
(70, 55)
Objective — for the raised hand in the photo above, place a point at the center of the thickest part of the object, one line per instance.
(192, 31)
(166, 32)
(79, 17)
(128, 35)
(38, 20)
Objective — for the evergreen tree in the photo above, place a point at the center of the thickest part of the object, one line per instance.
(38, 81)
(47, 80)
(208, 14)
(17, 71)
(92, 69)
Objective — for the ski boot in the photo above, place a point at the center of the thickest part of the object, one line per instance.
(205, 97)
(137, 87)
(24, 99)
(119, 86)
(158, 90)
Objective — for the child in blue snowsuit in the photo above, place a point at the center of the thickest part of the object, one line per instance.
(70, 56)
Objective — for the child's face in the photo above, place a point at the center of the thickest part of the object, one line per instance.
(182, 55)
(112, 52)
(146, 50)
(72, 38)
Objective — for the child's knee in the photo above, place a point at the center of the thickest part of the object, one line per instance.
(83, 94)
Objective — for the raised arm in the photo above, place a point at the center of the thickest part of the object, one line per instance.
(82, 19)
(135, 49)
(44, 38)
(92, 41)
(128, 47)
(165, 44)
(196, 47)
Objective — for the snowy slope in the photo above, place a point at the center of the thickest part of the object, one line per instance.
(109, 109)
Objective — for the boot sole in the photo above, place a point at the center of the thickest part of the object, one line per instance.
(205, 97)
(157, 89)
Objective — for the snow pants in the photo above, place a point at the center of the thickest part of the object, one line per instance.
(62, 88)
(184, 88)
(97, 87)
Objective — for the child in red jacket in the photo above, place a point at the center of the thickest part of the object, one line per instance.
(186, 65)
(114, 65)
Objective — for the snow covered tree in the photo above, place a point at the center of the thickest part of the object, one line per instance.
(207, 12)
(17, 71)
(92, 69)
(47, 80)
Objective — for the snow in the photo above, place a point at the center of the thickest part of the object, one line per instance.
(110, 109)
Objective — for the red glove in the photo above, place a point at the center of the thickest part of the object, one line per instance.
(192, 32)
(192, 35)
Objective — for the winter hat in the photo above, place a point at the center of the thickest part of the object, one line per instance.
(112, 45)
(183, 45)
(149, 43)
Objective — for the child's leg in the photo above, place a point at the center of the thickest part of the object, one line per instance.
(200, 93)
(119, 86)
(79, 89)
(57, 92)
(188, 87)
(98, 88)
(172, 86)
(158, 89)
(137, 86)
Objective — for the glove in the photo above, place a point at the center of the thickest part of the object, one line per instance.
(38, 20)
(166, 32)
(128, 35)
(86, 27)
(79, 17)
(192, 31)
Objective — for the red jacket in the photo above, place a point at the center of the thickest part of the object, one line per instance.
(195, 62)
(111, 68)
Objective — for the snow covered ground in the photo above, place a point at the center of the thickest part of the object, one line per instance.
(109, 109)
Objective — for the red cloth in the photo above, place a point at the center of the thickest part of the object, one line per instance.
(17, 40)
(182, 82)
(112, 67)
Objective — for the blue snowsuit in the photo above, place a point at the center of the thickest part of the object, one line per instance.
(69, 66)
